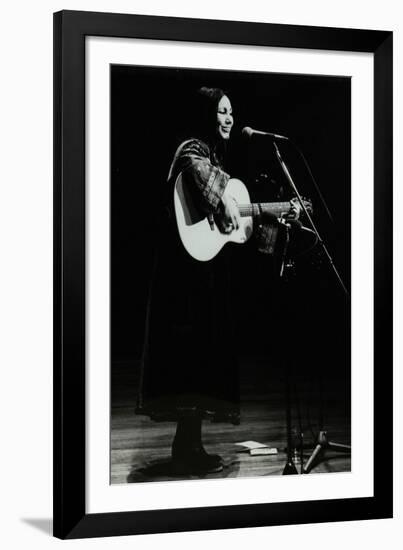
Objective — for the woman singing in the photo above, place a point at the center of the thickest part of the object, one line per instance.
(189, 364)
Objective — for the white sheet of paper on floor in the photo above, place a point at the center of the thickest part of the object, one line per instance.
(255, 448)
(251, 445)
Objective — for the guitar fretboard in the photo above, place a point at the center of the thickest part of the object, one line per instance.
(254, 209)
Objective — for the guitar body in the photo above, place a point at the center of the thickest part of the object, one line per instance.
(199, 239)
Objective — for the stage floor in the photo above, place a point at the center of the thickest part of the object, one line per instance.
(140, 448)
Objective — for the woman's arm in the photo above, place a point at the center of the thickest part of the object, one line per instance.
(208, 181)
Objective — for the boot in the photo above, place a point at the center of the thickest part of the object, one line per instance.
(188, 453)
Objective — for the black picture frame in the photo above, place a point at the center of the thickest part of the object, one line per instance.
(70, 518)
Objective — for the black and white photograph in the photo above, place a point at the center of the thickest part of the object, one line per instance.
(230, 274)
(201, 275)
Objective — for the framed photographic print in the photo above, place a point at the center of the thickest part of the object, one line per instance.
(223, 274)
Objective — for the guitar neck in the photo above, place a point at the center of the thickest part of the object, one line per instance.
(255, 209)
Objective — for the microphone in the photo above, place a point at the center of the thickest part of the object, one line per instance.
(250, 132)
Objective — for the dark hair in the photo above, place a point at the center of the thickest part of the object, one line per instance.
(204, 121)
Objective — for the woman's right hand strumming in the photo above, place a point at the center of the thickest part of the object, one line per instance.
(229, 217)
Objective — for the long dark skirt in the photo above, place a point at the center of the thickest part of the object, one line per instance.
(189, 360)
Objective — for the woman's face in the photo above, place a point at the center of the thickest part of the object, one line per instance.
(225, 119)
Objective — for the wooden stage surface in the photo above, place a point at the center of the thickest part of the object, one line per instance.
(140, 448)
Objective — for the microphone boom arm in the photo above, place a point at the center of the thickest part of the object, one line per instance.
(320, 240)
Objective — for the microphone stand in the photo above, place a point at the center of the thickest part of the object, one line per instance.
(322, 440)
(309, 218)
(289, 468)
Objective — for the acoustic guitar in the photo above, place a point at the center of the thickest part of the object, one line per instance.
(202, 238)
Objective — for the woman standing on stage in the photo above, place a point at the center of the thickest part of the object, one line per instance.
(189, 364)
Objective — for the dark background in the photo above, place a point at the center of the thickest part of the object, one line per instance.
(150, 111)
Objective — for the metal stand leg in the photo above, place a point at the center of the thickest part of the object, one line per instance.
(323, 444)
(289, 468)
